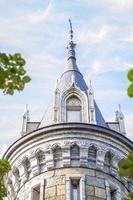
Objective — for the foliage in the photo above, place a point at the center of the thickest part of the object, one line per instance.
(130, 88)
(125, 168)
(4, 168)
(12, 73)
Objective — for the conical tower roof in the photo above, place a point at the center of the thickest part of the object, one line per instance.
(72, 77)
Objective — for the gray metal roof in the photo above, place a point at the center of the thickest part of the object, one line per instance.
(70, 76)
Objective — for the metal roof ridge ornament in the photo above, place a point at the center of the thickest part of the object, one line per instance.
(71, 29)
(71, 45)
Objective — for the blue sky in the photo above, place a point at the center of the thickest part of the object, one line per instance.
(38, 29)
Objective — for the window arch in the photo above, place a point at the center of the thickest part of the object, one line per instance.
(41, 159)
(57, 156)
(75, 155)
(73, 109)
(107, 161)
(92, 153)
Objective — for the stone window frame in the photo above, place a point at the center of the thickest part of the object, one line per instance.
(76, 157)
(57, 159)
(108, 161)
(92, 155)
(81, 178)
(84, 104)
(41, 161)
(41, 183)
(117, 190)
(72, 108)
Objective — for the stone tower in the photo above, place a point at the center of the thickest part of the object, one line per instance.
(72, 154)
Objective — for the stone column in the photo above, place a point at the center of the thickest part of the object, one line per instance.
(31, 194)
(114, 166)
(34, 165)
(66, 156)
(23, 177)
(49, 159)
(107, 190)
(82, 187)
(100, 159)
(42, 189)
(83, 156)
(118, 194)
(68, 188)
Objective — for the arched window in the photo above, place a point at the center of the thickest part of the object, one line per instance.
(57, 156)
(41, 160)
(73, 109)
(114, 191)
(75, 155)
(92, 153)
(26, 164)
(36, 192)
(107, 161)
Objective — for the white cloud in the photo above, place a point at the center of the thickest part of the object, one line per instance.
(88, 36)
(119, 5)
(42, 15)
(116, 5)
(129, 37)
(111, 64)
(116, 94)
(44, 60)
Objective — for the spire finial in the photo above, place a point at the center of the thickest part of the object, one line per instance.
(119, 106)
(71, 29)
(90, 83)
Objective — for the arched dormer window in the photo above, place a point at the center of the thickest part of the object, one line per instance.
(92, 153)
(73, 109)
(41, 159)
(75, 155)
(57, 156)
(107, 161)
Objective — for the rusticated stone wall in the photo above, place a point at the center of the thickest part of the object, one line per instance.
(97, 185)
(51, 161)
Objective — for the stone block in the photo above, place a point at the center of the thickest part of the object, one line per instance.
(65, 171)
(93, 198)
(99, 192)
(56, 180)
(90, 190)
(94, 181)
(56, 198)
(61, 190)
(50, 192)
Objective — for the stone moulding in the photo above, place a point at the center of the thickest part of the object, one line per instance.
(68, 126)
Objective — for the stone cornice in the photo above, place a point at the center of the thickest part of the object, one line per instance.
(68, 126)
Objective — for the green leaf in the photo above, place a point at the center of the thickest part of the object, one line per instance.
(26, 79)
(130, 75)
(130, 195)
(17, 56)
(12, 73)
(130, 90)
(9, 91)
(21, 70)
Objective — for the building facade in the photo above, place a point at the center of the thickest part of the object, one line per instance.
(73, 153)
